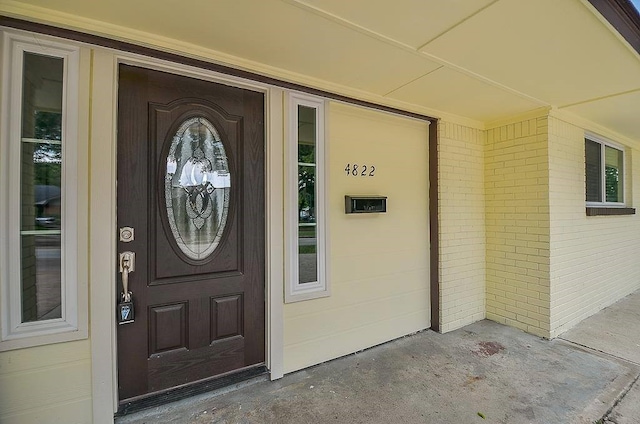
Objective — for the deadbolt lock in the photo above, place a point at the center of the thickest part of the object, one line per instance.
(126, 234)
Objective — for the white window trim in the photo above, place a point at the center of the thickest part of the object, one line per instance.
(606, 142)
(73, 323)
(294, 290)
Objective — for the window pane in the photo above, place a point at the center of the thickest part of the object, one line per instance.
(307, 253)
(41, 173)
(41, 187)
(307, 241)
(41, 277)
(306, 194)
(306, 153)
(307, 220)
(613, 162)
(593, 171)
(42, 96)
(306, 125)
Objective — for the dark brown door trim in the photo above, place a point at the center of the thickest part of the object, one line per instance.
(433, 227)
(433, 128)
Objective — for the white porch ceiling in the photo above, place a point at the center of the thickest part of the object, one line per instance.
(554, 50)
(482, 59)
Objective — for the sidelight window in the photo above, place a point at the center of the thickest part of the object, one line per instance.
(306, 199)
(39, 227)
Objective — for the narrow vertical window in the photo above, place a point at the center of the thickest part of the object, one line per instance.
(307, 234)
(307, 221)
(41, 187)
(39, 155)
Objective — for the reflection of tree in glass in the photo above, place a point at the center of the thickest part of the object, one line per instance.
(611, 183)
(48, 126)
(47, 157)
(306, 182)
(306, 190)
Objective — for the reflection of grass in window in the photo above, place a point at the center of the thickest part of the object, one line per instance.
(306, 249)
(306, 232)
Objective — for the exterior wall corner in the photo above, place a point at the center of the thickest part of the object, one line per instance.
(517, 220)
(461, 214)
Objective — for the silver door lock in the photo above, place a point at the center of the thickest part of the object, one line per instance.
(125, 309)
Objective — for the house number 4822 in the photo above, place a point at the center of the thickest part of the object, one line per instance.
(355, 170)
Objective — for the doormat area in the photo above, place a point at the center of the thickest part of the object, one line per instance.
(184, 392)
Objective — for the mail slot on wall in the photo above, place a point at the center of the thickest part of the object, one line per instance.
(365, 204)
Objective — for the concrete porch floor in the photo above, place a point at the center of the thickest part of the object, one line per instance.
(483, 373)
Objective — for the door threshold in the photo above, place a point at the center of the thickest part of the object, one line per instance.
(189, 390)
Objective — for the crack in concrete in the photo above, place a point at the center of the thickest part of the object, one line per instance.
(606, 416)
(600, 351)
(625, 391)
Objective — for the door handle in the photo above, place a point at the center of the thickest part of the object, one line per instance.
(127, 266)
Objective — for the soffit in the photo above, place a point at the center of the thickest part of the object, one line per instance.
(411, 22)
(555, 51)
(481, 59)
(618, 112)
(272, 32)
(454, 92)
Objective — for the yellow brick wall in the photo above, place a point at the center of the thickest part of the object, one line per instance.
(517, 225)
(595, 260)
(461, 208)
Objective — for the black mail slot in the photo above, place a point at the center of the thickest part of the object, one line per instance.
(365, 204)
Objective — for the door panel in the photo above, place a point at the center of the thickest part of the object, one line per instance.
(190, 159)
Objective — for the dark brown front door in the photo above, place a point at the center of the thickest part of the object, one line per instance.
(191, 185)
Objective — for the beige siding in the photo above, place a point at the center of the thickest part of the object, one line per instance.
(461, 210)
(47, 384)
(517, 212)
(379, 263)
(594, 260)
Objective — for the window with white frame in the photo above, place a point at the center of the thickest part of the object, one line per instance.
(306, 217)
(604, 172)
(39, 202)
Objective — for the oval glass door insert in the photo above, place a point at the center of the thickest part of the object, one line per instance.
(197, 188)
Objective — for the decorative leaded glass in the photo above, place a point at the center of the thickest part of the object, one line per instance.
(197, 188)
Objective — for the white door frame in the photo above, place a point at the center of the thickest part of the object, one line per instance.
(102, 217)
